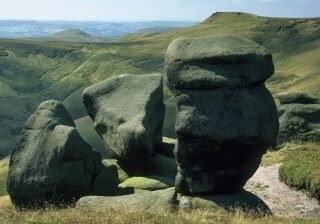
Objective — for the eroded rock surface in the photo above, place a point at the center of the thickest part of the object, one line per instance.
(51, 164)
(128, 113)
(226, 118)
(151, 201)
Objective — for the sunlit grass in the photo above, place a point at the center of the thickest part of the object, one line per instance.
(72, 215)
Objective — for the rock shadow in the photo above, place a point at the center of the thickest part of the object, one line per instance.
(242, 200)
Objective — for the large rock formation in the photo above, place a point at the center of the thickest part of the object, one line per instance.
(226, 118)
(128, 113)
(52, 165)
(299, 116)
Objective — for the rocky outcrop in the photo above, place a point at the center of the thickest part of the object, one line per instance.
(52, 165)
(128, 113)
(297, 97)
(226, 118)
(299, 116)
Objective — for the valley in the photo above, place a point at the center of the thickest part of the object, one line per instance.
(34, 71)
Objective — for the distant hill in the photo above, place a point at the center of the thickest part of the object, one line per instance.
(31, 71)
(76, 35)
(30, 29)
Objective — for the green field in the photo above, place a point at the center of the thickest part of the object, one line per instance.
(34, 71)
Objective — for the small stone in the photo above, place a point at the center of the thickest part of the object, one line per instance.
(185, 204)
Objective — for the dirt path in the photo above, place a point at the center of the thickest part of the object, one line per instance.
(281, 199)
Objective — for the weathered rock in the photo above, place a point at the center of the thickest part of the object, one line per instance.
(299, 122)
(85, 128)
(150, 183)
(106, 182)
(128, 113)
(51, 164)
(156, 165)
(216, 61)
(168, 200)
(121, 173)
(162, 166)
(167, 147)
(153, 201)
(169, 119)
(297, 97)
(226, 118)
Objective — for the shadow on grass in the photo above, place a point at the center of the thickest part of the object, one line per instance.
(242, 200)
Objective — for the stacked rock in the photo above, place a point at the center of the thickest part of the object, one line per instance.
(299, 116)
(52, 165)
(128, 113)
(226, 118)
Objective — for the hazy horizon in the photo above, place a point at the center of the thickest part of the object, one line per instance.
(147, 11)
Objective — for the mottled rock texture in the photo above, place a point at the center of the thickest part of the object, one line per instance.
(52, 165)
(151, 201)
(226, 118)
(128, 113)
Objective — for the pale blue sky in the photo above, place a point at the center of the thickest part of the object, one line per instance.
(140, 10)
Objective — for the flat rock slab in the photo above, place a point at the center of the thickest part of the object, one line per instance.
(150, 183)
(297, 97)
(153, 201)
(167, 200)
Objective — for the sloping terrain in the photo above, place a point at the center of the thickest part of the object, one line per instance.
(31, 71)
(76, 35)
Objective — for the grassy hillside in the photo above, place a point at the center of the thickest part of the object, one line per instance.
(31, 72)
(76, 35)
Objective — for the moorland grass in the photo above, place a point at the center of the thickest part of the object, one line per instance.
(301, 168)
(4, 167)
(72, 215)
